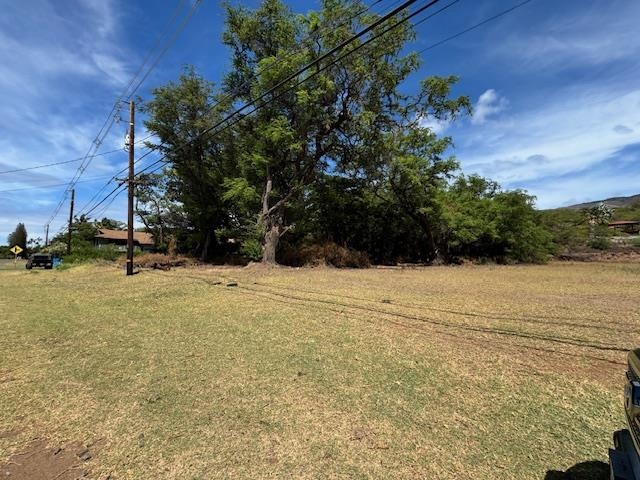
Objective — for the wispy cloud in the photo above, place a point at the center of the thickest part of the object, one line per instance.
(555, 140)
(61, 64)
(433, 124)
(489, 104)
(596, 34)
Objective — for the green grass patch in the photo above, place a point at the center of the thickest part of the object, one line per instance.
(319, 373)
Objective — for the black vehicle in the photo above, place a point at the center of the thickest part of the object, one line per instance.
(624, 459)
(40, 260)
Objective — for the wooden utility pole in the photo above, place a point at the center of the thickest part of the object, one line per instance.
(73, 194)
(46, 235)
(131, 180)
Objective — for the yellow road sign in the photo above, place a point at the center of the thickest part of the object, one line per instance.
(16, 250)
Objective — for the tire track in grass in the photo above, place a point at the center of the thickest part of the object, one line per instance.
(490, 316)
(498, 331)
(319, 303)
(421, 331)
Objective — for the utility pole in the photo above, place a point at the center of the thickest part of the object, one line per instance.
(46, 235)
(73, 194)
(131, 180)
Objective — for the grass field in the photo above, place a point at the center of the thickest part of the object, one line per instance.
(483, 372)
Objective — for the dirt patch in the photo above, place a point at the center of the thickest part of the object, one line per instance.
(626, 254)
(158, 261)
(41, 462)
(10, 433)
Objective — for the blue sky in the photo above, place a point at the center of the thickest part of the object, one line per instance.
(554, 85)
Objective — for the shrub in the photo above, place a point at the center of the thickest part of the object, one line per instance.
(325, 254)
(157, 260)
(252, 249)
(87, 254)
(599, 243)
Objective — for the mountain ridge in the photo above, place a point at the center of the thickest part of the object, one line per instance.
(615, 202)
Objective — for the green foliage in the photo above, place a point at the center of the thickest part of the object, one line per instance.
(190, 196)
(345, 158)
(483, 221)
(627, 213)
(84, 254)
(573, 229)
(251, 248)
(599, 243)
(567, 227)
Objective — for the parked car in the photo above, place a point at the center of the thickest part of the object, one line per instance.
(624, 459)
(40, 260)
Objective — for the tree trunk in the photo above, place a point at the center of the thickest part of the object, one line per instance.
(209, 237)
(271, 239)
(270, 234)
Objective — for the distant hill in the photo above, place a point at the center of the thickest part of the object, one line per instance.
(611, 202)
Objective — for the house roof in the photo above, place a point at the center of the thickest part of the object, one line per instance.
(141, 238)
(624, 222)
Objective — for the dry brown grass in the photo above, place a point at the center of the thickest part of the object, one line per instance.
(445, 372)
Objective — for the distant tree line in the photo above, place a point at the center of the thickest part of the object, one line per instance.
(344, 157)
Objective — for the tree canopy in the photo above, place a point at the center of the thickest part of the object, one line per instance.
(18, 237)
(336, 152)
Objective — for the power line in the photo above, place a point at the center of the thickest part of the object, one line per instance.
(152, 49)
(107, 125)
(172, 40)
(111, 193)
(52, 186)
(287, 56)
(466, 30)
(344, 55)
(64, 162)
(307, 67)
(112, 179)
(299, 48)
(50, 164)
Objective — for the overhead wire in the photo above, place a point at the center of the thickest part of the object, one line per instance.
(64, 162)
(231, 94)
(290, 54)
(322, 57)
(473, 27)
(477, 25)
(156, 44)
(172, 40)
(110, 120)
(31, 187)
(113, 178)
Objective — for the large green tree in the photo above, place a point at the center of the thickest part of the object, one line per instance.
(338, 152)
(349, 117)
(197, 165)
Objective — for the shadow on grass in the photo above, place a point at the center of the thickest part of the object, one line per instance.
(591, 470)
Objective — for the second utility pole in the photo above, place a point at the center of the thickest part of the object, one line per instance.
(130, 203)
(73, 194)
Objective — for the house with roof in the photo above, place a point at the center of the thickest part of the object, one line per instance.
(142, 241)
(627, 226)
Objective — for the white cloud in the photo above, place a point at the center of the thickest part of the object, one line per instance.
(61, 67)
(489, 103)
(433, 124)
(584, 187)
(601, 33)
(559, 138)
